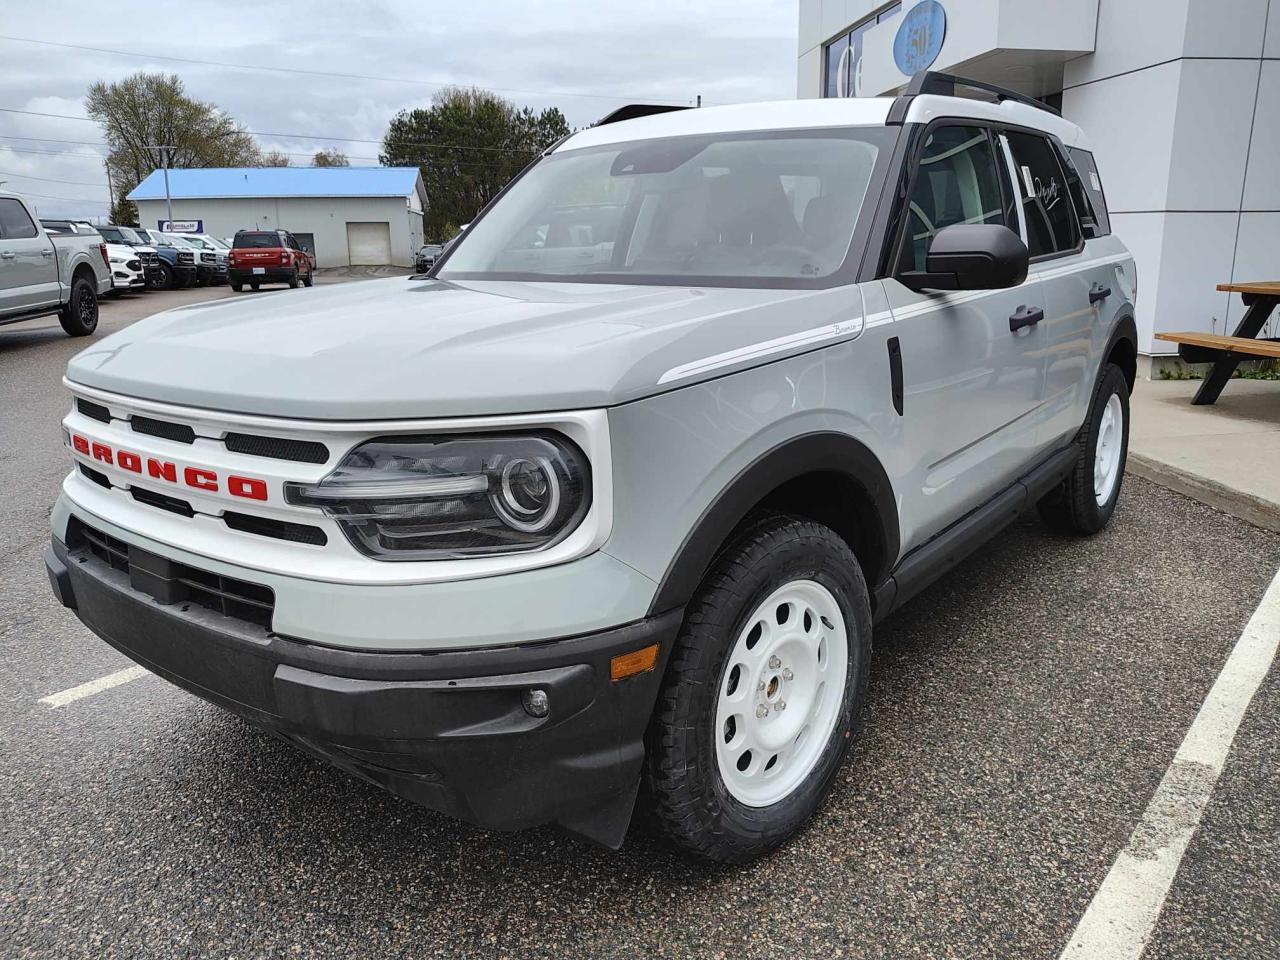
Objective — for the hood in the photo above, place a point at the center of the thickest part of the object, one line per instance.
(121, 250)
(405, 348)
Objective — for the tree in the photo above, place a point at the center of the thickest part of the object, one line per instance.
(468, 144)
(330, 158)
(273, 158)
(124, 213)
(148, 109)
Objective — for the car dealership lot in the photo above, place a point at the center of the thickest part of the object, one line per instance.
(1021, 715)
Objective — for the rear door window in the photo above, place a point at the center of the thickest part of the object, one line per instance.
(15, 224)
(256, 239)
(1091, 184)
(1052, 227)
(957, 181)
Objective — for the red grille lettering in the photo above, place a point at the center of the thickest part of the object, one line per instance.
(80, 443)
(129, 461)
(247, 487)
(102, 452)
(200, 479)
(162, 469)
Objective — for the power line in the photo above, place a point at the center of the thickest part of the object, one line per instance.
(27, 176)
(47, 196)
(325, 73)
(264, 133)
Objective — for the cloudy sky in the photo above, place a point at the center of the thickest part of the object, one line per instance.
(584, 57)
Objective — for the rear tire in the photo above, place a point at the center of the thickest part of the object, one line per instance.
(236, 285)
(1085, 501)
(730, 774)
(254, 284)
(79, 316)
(309, 279)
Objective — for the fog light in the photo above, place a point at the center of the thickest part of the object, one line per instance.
(536, 703)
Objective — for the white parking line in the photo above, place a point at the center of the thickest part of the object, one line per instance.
(56, 700)
(1123, 913)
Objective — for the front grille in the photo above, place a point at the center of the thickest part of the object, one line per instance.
(96, 476)
(277, 448)
(163, 501)
(186, 257)
(178, 432)
(276, 529)
(208, 258)
(95, 410)
(150, 259)
(170, 582)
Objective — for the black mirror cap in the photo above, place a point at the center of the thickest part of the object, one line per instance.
(979, 256)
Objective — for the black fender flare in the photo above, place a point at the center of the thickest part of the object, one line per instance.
(1125, 328)
(820, 452)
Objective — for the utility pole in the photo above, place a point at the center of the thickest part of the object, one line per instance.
(699, 99)
(168, 200)
(111, 194)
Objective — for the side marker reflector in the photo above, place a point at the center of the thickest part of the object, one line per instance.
(637, 661)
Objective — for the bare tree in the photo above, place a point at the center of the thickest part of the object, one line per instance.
(274, 158)
(330, 158)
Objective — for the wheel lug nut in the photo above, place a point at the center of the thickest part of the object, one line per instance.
(760, 686)
(782, 705)
(774, 663)
(762, 711)
(787, 674)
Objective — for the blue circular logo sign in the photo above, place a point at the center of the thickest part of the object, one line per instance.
(919, 38)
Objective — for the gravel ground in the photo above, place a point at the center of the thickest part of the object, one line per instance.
(1020, 715)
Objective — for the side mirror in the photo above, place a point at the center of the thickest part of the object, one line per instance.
(972, 256)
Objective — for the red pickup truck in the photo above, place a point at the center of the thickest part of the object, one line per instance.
(268, 256)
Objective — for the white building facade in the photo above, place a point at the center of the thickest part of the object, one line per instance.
(344, 215)
(1179, 98)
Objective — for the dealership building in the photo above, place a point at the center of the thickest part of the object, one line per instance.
(1179, 98)
(344, 215)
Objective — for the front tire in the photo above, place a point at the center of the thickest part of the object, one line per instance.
(1085, 501)
(310, 278)
(763, 691)
(79, 316)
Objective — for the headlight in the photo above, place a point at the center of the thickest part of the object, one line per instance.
(117, 259)
(440, 498)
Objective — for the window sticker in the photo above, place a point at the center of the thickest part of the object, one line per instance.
(1028, 181)
(1093, 179)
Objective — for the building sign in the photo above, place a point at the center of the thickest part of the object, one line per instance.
(181, 226)
(920, 36)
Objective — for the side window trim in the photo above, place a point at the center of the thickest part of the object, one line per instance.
(1011, 171)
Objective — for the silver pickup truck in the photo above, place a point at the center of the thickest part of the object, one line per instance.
(42, 275)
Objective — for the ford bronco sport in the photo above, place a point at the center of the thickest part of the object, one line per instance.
(615, 496)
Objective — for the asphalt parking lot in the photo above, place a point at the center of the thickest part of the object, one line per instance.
(1022, 713)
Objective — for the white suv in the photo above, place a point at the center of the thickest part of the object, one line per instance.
(619, 490)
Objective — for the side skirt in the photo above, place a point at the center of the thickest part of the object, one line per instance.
(929, 561)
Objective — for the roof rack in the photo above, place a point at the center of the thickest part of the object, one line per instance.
(944, 85)
(633, 110)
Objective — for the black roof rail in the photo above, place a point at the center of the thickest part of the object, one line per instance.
(633, 110)
(944, 85)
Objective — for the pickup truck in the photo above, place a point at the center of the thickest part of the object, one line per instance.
(42, 274)
(177, 260)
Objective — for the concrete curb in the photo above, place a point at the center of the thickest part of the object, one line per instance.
(1255, 510)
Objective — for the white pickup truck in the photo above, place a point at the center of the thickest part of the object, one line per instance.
(42, 275)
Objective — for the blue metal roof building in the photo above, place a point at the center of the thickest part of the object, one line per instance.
(345, 215)
(281, 182)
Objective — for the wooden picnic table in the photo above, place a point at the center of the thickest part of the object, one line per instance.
(1226, 353)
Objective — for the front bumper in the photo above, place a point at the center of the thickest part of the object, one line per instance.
(444, 729)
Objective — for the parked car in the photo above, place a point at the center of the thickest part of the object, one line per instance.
(146, 253)
(123, 263)
(426, 256)
(177, 260)
(212, 251)
(44, 272)
(623, 505)
(269, 256)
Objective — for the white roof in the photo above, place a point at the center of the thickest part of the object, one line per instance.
(813, 114)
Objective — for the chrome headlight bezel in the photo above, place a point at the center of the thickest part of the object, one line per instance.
(407, 498)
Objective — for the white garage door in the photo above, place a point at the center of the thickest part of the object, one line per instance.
(369, 243)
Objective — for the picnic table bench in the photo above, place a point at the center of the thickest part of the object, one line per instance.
(1226, 353)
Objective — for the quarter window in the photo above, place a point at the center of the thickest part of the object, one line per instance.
(15, 224)
(1095, 199)
(1052, 226)
(957, 181)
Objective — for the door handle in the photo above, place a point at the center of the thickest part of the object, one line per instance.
(1098, 292)
(46, 253)
(8, 255)
(1025, 317)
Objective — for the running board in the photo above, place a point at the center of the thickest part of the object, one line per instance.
(929, 561)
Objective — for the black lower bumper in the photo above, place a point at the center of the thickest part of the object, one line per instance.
(268, 275)
(447, 730)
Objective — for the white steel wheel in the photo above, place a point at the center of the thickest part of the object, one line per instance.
(781, 693)
(1106, 452)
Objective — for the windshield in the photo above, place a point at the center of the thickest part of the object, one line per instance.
(749, 207)
(179, 242)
